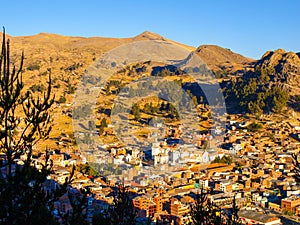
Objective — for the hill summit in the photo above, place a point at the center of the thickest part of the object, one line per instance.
(285, 66)
(218, 58)
(149, 36)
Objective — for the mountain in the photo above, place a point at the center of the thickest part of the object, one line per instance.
(68, 58)
(40, 47)
(284, 65)
(148, 35)
(218, 58)
(271, 85)
(62, 52)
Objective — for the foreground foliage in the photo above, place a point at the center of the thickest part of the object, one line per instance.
(24, 121)
(121, 211)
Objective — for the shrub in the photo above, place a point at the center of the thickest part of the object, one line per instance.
(62, 99)
(33, 67)
(254, 127)
(37, 87)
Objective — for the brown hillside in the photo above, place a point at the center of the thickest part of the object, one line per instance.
(218, 58)
(68, 58)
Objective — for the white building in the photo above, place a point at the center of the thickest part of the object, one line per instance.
(155, 149)
(161, 159)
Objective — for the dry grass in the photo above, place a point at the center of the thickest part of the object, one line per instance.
(59, 54)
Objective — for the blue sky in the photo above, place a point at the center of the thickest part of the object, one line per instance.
(248, 27)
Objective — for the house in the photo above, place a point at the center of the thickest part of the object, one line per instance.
(145, 206)
(290, 203)
(253, 218)
(221, 199)
(178, 208)
(203, 183)
(57, 159)
(161, 159)
(223, 185)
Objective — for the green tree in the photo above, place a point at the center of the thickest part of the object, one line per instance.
(121, 212)
(254, 92)
(195, 100)
(62, 99)
(103, 124)
(173, 111)
(254, 107)
(162, 106)
(254, 127)
(279, 99)
(25, 120)
(203, 212)
(136, 112)
(87, 170)
(232, 216)
(296, 164)
(33, 67)
(264, 75)
(225, 159)
(22, 197)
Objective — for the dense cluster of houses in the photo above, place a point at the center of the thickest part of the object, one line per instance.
(164, 178)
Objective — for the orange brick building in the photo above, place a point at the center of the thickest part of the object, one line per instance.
(178, 208)
(149, 205)
(145, 206)
(291, 203)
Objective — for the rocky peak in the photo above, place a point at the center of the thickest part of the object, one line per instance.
(283, 62)
(150, 36)
(286, 67)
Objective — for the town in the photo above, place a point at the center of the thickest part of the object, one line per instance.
(258, 171)
(196, 122)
